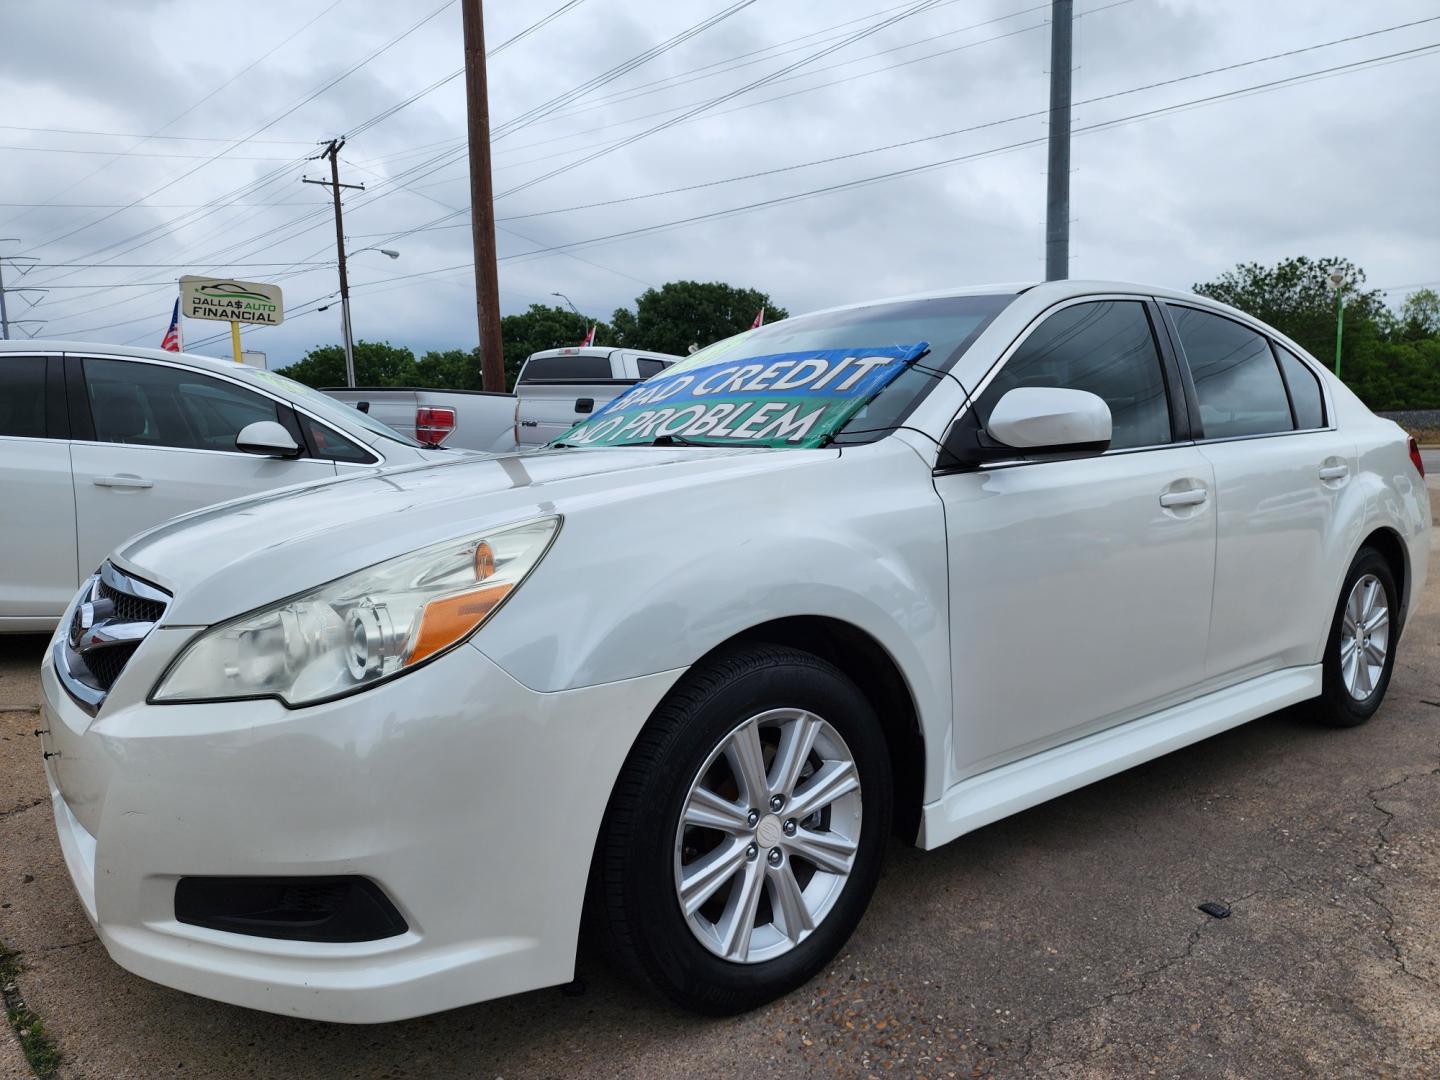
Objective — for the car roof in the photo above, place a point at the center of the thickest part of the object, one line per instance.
(91, 348)
(1049, 291)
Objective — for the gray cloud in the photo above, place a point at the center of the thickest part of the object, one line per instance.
(1342, 165)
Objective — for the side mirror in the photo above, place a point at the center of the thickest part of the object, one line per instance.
(267, 439)
(1030, 422)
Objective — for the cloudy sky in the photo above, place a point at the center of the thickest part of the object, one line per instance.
(144, 140)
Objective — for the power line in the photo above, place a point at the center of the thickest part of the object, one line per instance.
(144, 137)
(1414, 53)
(1033, 114)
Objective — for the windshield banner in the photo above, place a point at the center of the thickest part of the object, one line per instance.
(795, 399)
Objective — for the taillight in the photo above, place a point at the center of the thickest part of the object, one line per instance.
(515, 428)
(433, 425)
(1415, 457)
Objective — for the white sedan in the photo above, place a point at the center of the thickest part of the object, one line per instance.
(99, 442)
(908, 566)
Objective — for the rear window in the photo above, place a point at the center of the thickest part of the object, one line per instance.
(648, 367)
(566, 369)
(1304, 391)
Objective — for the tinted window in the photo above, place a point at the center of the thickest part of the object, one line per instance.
(650, 367)
(1304, 390)
(22, 396)
(150, 405)
(1236, 379)
(331, 445)
(1105, 347)
(567, 368)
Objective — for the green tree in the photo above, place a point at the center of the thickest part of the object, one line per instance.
(1295, 297)
(1420, 315)
(684, 313)
(449, 369)
(377, 363)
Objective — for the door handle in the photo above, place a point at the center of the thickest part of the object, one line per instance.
(122, 482)
(1334, 472)
(1193, 497)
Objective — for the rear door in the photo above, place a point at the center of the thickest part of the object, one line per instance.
(1280, 469)
(556, 391)
(162, 442)
(37, 512)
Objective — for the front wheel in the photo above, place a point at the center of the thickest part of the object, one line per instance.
(1360, 653)
(746, 831)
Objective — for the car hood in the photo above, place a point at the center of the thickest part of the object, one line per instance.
(228, 559)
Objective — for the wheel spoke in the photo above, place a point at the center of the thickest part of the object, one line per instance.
(829, 851)
(1367, 603)
(830, 781)
(1377, 621)
(796, 742)
(738, 922)
(747, 761)
(1362, 676)
(708, 810)
(1375, 655)
(787, 901)
(704, 877)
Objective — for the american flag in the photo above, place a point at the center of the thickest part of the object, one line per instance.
(759, 319)
(589, 337)
(171, 342)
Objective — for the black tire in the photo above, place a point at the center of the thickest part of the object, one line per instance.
(634, 895)
(1336, 706)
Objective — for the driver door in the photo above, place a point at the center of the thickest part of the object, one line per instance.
(164, 444)
(1079, 589)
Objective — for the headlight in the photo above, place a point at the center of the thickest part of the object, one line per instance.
(361, 629)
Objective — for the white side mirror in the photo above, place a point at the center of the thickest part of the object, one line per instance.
(1050, 418)
(267, 439)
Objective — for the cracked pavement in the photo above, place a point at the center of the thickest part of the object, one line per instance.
(1064, 942)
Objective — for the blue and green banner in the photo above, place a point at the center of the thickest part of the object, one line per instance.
(795, 399)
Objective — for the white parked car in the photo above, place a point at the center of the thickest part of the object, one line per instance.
(98, 442)
(906, 566)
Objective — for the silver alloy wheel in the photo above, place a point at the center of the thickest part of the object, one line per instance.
(768, 835)
(1364, 637)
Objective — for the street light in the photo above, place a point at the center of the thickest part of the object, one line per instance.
(345, 312)
(567, 300)
(1337, 285)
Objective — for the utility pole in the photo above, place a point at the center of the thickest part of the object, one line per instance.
(1057, 200)
(4, 315)
(332, 151)
(5, 320)
(482, 199)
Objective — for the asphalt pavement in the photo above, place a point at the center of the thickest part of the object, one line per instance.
(1063, 942)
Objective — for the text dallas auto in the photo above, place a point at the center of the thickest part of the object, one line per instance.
(784, 399)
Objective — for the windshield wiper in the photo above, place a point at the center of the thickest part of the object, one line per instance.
(678, 440)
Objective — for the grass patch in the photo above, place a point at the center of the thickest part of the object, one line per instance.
(38, 1047)
(1426, 436)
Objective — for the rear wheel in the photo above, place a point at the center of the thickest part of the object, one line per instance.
(745, 834)
(1360, 654)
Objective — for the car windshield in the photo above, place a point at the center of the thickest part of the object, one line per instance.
(327, 408)
(798, 383)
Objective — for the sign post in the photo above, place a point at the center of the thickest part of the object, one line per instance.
(235, 302)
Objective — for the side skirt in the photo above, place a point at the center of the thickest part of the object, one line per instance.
(998, 793)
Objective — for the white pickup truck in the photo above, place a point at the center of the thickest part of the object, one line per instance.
(459, 419)
(558, 388)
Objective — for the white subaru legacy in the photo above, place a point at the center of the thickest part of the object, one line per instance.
(366, 750)
(98, 442)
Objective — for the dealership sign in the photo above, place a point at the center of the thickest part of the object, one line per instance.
(228, 300)
(784, 399)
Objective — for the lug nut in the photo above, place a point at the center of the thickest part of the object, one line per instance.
(774, 857)
(751, 851)
(790, 827)
(777, 802)
(753, 818)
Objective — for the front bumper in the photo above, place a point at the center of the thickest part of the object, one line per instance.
(472, 801)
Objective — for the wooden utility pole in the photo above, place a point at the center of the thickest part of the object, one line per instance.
(332, 151)
(482, 200)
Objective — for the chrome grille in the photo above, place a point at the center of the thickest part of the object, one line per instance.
(109, 618)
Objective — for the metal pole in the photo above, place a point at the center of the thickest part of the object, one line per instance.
(4, 317)
(482, 199)
(1057, 200)
(1339, 326)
